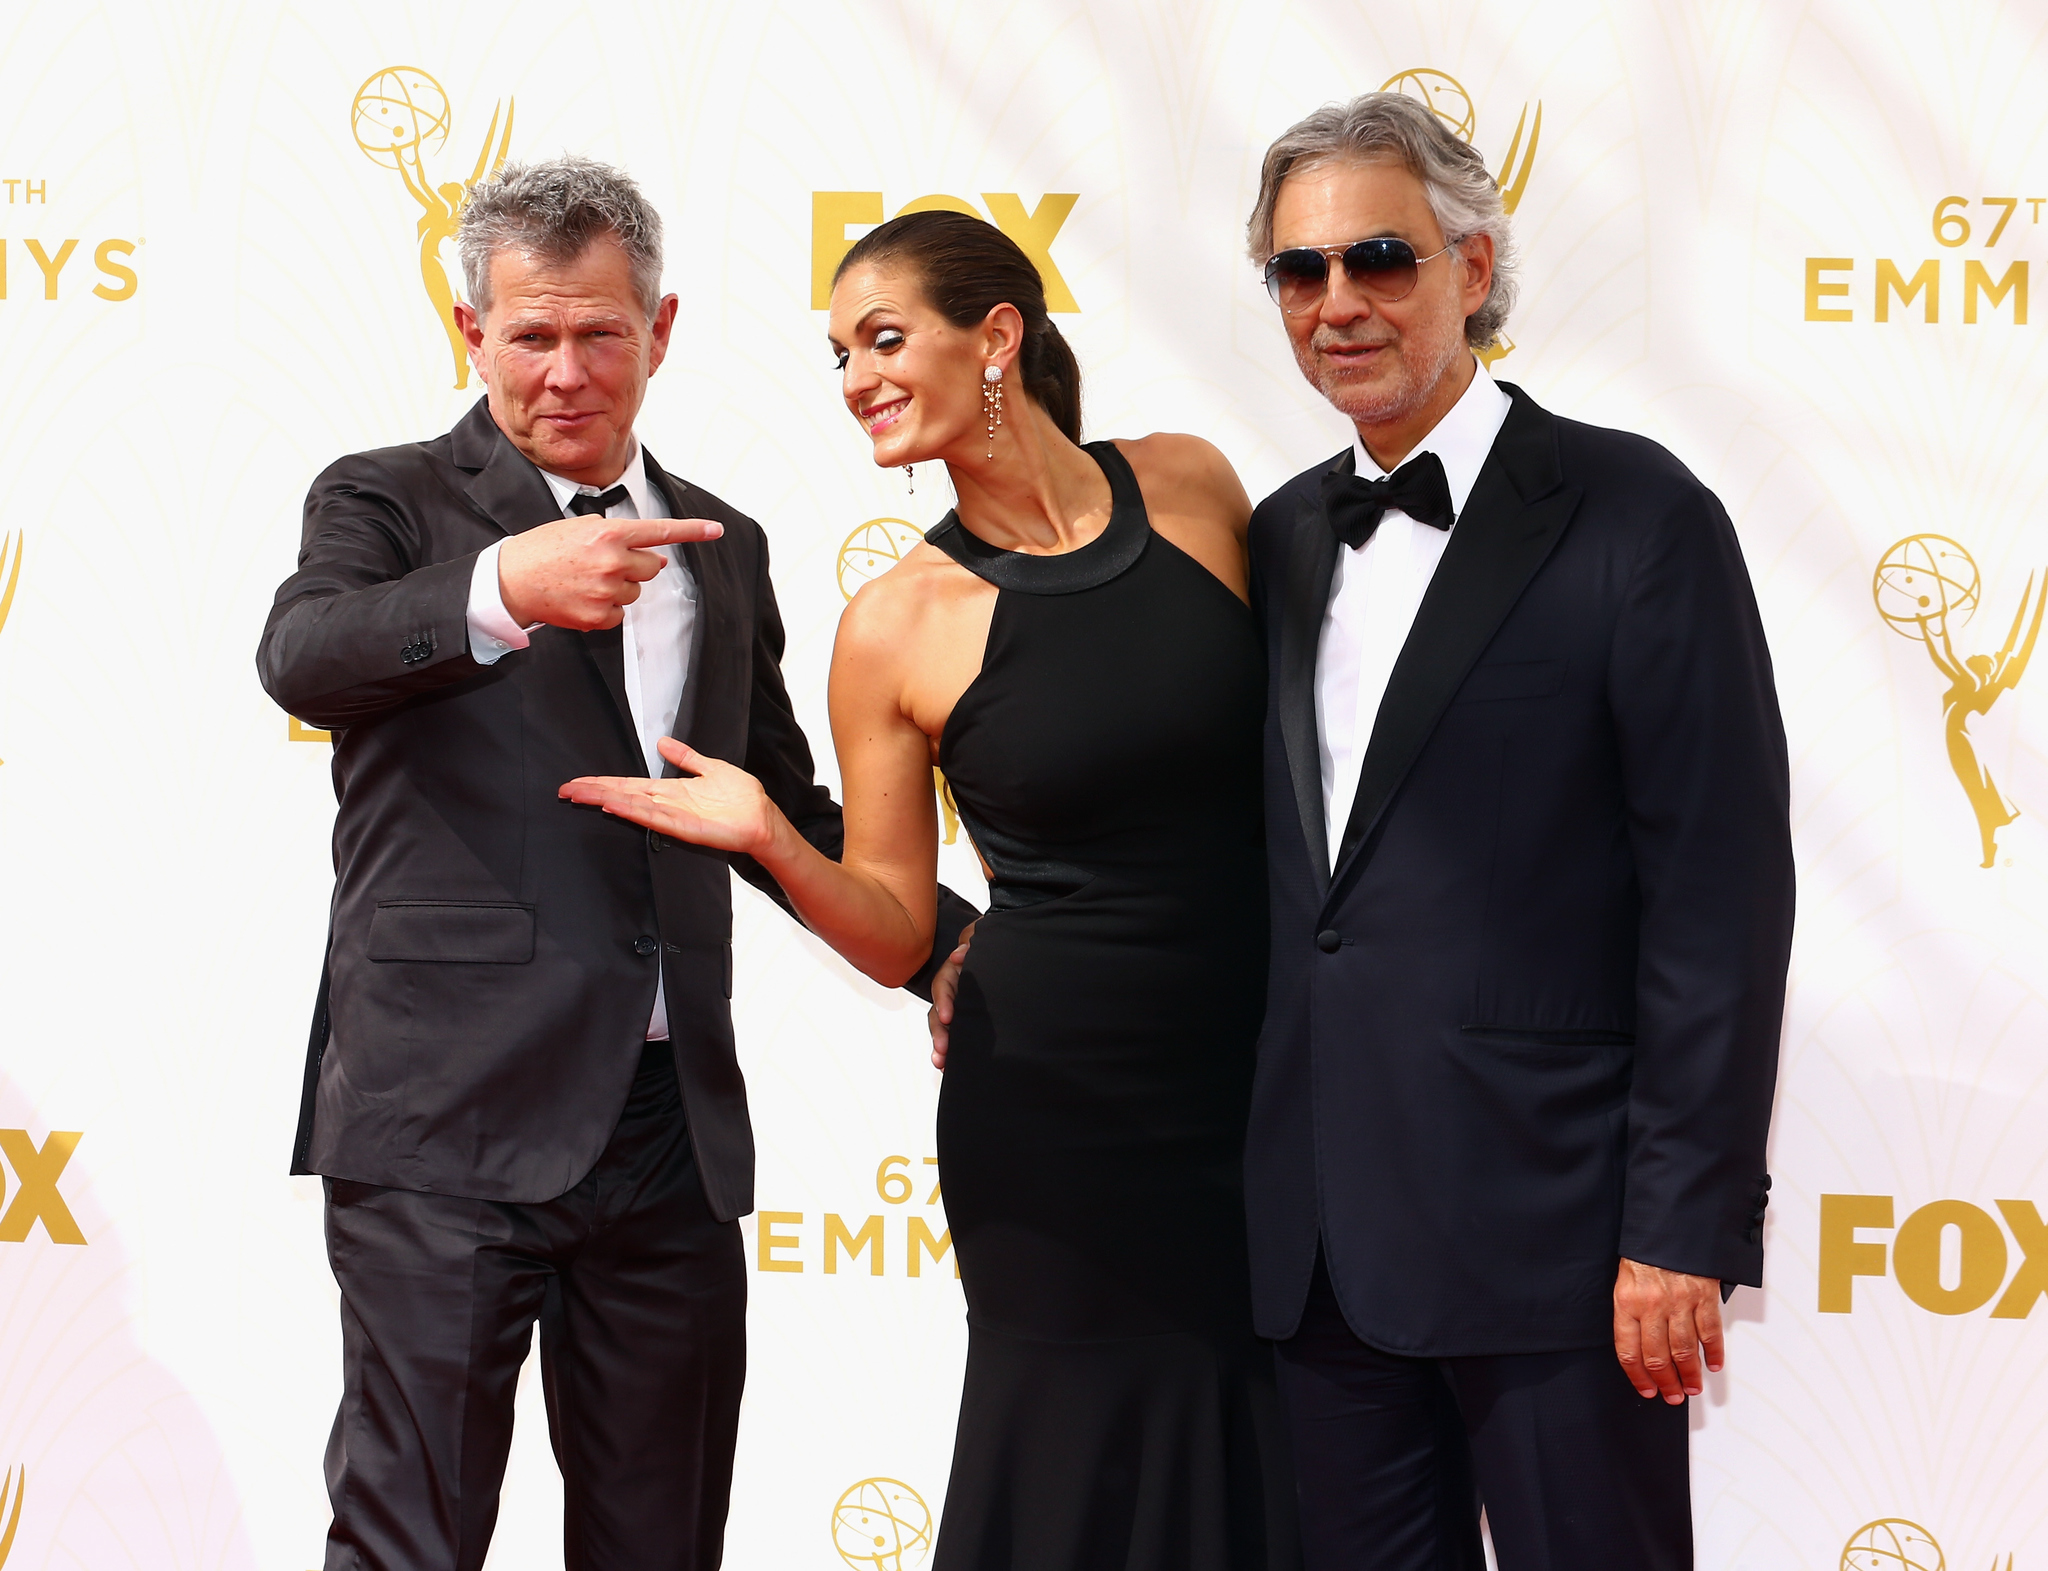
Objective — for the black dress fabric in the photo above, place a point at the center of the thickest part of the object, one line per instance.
(1118, 1414)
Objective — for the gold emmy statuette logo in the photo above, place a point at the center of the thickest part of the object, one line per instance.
(10, 575)
(1924, 585)
(882, 1523)
(1446, 97)
(869, 552)
(400, 115)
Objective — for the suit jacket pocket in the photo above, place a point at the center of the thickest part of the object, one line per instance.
(1511, 679)
(497, 932)
(1536, 1045)
(1570, 1036)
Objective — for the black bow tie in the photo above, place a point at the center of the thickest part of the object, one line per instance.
(1354, 505)
(583, 504)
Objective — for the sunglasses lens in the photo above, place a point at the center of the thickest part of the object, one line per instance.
(1296, 278)
(1383, 266)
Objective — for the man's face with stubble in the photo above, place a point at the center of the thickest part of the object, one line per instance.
(565, 348)
(1378, 361)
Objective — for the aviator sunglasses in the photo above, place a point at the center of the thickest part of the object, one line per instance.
(1383, 267)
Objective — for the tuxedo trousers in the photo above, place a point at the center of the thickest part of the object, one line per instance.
(1395, 1456)
(640, 1295)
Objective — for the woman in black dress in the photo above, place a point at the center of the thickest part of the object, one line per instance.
(1073, 647)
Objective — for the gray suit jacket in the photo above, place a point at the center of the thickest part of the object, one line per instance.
(493, 952)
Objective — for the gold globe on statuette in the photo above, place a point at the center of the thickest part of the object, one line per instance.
(1892, 1544)
(882, 1524)
(1923, 581)
(1442, 93)
(872, 549)
(400, 113)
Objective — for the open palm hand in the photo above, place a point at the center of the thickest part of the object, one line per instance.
(714, 804)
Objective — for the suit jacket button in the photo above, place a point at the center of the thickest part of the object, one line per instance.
(646, 944)
(1328, 940)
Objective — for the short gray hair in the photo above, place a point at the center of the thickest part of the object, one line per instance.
(1392, 128)
(555, 210)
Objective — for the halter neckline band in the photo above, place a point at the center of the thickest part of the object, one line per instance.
(1107, 556)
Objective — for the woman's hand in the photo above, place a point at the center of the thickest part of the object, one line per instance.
(945, 988)
(722, 807)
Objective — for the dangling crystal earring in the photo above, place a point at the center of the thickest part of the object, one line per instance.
(992, 402)
(910, 474)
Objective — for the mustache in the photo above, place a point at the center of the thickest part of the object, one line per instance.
(1325, 337)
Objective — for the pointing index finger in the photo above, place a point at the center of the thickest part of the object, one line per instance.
(642, 532)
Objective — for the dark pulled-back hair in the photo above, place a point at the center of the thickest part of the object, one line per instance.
(968, 267)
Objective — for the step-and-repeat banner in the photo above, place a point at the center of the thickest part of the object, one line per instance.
(1793, 243)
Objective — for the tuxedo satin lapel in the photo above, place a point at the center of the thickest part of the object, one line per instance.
(504, 486)
(1512, 520)
(705, 718)
(1311, 565)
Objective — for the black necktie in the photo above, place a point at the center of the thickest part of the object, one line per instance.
(1355, 505)
(582, 504)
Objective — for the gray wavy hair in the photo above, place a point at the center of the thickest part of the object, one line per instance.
(1381, 128)
(554, 210)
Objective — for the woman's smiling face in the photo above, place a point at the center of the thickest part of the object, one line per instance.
(910, 377)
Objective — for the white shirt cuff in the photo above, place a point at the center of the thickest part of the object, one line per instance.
(492, 632)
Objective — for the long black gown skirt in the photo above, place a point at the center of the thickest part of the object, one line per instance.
(1118, 1414)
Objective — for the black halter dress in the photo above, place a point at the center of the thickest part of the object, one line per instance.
(1118, 1414)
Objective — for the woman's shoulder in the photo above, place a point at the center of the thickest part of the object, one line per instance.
(1187, 474)
(889, 609)
(1176, 452)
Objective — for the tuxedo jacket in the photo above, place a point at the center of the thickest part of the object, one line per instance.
(493, 950)
(1530, 1023)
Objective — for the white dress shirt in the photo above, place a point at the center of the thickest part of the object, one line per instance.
(657, 633)
(1377, 590)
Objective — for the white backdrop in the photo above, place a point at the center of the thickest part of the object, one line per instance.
(1714, 184)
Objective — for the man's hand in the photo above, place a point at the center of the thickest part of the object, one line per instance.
(944, 986)
(582, 573)
(1663, 1322)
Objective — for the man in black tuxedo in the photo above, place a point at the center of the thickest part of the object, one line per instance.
(1532, 902)
(522, 1088)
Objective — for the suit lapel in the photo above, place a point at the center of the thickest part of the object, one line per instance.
(704, 719)
(1514, 517)
(1310, 567)
(503, 485)
(506, 488)
(607, 647)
